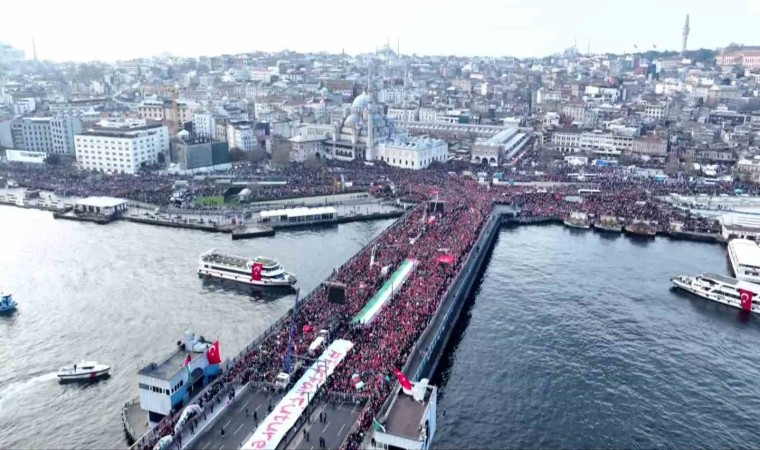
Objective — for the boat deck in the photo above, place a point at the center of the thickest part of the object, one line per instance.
(135, 419)
(405, 416)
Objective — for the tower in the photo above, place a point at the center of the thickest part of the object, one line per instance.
(369, 154)
(685, 35)
(34, 50)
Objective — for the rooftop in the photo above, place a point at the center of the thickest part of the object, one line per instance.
(296, 212)
(101, 202)
(747, 252)
(169, 367)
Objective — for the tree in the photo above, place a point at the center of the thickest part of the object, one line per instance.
(53, 159)
(312, 163)
(237, 154)
(161, 158)
(257, 155)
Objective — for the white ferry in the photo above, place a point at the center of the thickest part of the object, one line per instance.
(744, 255)
(718, 288)
(578, 220)
(259, 271)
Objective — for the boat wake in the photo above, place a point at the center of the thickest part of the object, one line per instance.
(13, 388)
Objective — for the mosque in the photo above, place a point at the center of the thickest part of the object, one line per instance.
(364, 125)
(363, 132)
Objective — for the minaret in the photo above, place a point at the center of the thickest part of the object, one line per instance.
(370, 153)
(34, 50)
(685, 35)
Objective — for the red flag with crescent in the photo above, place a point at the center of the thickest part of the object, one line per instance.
(746, 298)
(402, 379)
(213, 355)
(187, 359)
(256, 271)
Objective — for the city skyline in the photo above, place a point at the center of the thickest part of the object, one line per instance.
(81, 32)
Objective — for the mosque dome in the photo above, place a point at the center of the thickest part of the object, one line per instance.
(324, 91)
(361, 101)
(352, 120)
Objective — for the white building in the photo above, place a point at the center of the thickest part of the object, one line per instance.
(309, 142)
(24, 106)
(414, 153)
(240, 135)
(503, 145)
(204, 124)
(122, 146)
(403, 114)
(568, 141)
(23, 156)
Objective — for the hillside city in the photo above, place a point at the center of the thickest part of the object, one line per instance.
(664, 114)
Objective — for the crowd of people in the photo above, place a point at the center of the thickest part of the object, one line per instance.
(422, 235)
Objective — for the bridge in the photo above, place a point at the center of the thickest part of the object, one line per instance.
(289, 416)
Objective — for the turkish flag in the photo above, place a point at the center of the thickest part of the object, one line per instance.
(403, 379)
(213, 355)
(187, 360)
(256, 271)
(446, 259)
(746, 298)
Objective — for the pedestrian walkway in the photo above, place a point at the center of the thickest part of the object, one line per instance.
(207, 420)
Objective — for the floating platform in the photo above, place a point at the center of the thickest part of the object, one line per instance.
(178, 224)
(100, 220)
(251, 232)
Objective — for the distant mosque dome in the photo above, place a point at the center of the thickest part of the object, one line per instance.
(361, 101)
(352, 120)
(324, 91)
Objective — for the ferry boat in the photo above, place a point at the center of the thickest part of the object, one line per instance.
(642, 228)
(259, 271)
(83, 371)
(31, 193)
(578, 220)
(718, 288)
(608, 223)
(744, 256)
(7, 304)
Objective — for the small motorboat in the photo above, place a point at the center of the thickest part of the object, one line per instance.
(83, 371)
(7, 305)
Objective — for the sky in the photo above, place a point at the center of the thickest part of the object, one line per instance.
(85, 30)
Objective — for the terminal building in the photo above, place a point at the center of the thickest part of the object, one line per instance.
(170, 384)
(741, 227)
(100, 206)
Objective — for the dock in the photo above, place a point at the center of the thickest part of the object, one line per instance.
(252, 231)
(177, 223)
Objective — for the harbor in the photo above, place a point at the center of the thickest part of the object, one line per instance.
(241, 223)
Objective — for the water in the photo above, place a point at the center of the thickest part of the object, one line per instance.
(575, 340)
(123, 294)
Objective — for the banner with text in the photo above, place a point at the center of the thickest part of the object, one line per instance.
(273, 428)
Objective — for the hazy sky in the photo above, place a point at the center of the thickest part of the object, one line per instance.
(84, 30)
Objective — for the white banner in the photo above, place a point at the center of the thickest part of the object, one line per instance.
(282, 418)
